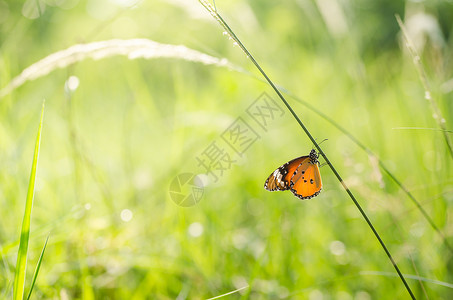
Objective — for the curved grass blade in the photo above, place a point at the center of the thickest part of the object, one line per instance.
(437, 115)
(414, 277)
(133, 49)
(424, 128)
(35, 275)
(21, 265)
(236, 40)
(229, 293)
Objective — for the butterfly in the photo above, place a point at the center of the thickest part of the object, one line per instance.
(300, 175)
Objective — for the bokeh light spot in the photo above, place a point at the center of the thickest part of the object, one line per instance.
(337, 248)
(196, 229)
(126, 215)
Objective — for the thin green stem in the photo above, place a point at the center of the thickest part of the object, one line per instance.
(230, 32)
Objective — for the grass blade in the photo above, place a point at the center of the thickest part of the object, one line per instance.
(21, 265)
(414, 277)
(35, 275)
(229, 293)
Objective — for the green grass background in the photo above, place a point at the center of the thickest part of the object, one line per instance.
(118, 141)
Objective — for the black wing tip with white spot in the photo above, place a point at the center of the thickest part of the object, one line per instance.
(277, 177)
(266, 186)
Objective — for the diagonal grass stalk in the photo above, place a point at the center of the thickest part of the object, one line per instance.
(21, 265)
(236, 40)
(437, 115)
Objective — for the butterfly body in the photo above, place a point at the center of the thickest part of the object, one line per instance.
(301, 176)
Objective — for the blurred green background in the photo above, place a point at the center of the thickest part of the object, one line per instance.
(114, 142)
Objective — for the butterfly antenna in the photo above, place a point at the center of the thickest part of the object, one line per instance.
(319, 143)
(322, 141)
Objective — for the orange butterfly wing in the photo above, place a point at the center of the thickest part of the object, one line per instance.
(300, 175)
(306, 182)
(280, 179)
